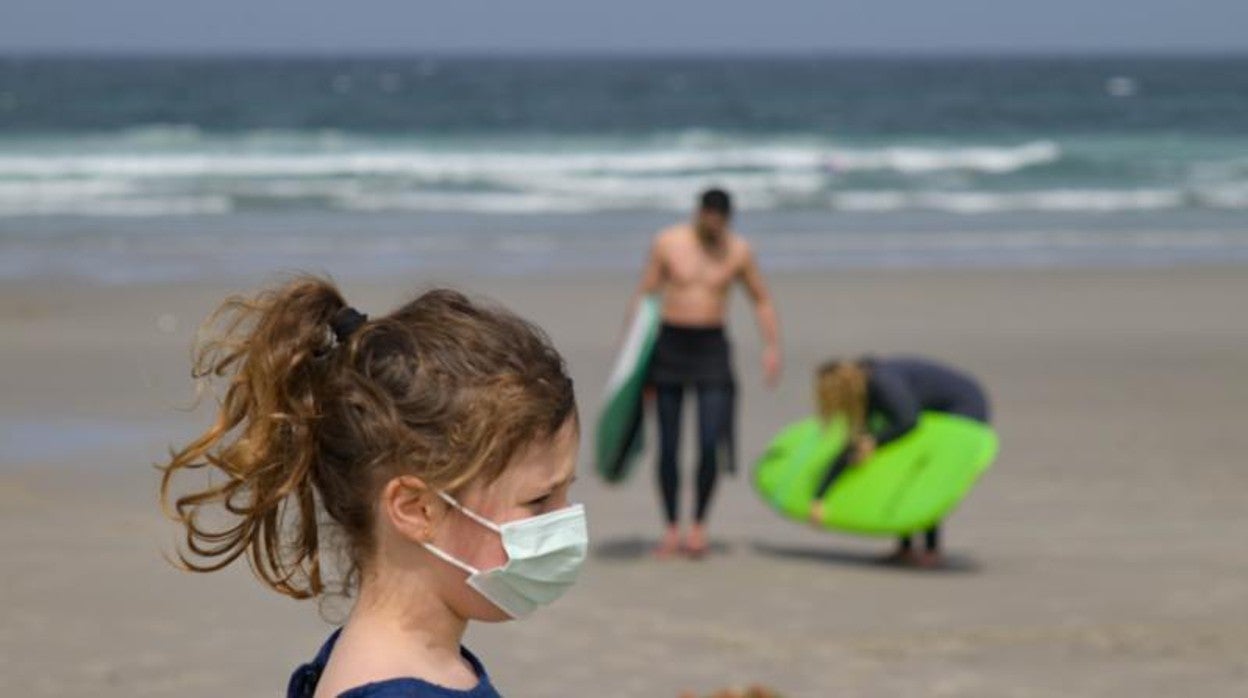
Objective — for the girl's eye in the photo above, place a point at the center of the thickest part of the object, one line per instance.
(539, 501)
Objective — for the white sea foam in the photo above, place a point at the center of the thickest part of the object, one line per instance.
(980, 202)
(453, 202)
(468, 165)
(914, 160)
(129, 207)
(61, 189)
(198, 174)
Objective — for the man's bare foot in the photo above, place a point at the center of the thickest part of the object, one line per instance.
(696, 546)
(669, 545)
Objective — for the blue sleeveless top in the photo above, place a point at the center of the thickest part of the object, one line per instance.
(303, 681)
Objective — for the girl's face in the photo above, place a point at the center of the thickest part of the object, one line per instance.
(535, 483)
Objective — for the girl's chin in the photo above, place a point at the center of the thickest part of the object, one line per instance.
(495, 617)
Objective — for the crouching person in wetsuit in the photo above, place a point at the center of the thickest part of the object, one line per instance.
(891, 393)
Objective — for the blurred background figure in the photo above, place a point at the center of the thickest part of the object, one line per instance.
(694, 266)
(882, 400)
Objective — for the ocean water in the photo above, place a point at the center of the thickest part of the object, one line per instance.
(128, 169)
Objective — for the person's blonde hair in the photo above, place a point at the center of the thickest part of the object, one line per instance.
(841, 390)
(314, 418)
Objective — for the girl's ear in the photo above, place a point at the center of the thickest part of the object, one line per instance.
(412, 507)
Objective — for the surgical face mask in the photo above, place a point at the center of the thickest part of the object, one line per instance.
(544, 555)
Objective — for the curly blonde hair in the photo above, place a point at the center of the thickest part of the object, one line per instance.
(443, 388)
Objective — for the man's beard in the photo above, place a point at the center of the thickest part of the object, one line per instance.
(710, 238)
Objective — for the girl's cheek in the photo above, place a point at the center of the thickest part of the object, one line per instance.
(492, 553)
(479, 546)
(557, 502)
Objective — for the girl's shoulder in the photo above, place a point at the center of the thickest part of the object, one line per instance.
(303, 681)
(416, 688)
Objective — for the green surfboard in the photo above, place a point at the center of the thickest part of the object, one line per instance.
(619, 438)
(906, 486)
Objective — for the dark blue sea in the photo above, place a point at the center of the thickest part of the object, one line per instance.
(132, 169)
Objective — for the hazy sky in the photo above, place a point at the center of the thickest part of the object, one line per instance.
(623, 25)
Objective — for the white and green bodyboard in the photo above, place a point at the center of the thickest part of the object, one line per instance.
(620, 436)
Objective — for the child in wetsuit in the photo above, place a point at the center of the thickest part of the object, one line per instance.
(891, 393)
(436, 444)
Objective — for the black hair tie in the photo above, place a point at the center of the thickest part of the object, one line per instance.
(345, 322)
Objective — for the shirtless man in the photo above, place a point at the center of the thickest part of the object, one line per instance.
(694, 266)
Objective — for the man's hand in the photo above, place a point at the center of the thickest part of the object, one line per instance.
(864, 448)
(765, 312)
(771, 366)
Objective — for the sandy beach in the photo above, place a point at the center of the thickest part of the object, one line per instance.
(1102, 556)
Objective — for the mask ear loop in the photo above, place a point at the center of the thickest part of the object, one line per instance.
(451, 559)
(470, 513)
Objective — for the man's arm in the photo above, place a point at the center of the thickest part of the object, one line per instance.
(765, 315)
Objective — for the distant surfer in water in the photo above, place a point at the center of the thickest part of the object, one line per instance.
(881, 400)
(693, 266)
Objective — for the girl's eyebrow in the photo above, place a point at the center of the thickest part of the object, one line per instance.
(549, 489)
(560, 483)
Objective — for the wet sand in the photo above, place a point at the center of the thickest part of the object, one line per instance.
(1103, 555)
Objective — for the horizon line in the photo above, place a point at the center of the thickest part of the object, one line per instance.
(626, 54)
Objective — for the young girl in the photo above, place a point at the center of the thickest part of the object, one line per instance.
(896, 391)
(439, 443)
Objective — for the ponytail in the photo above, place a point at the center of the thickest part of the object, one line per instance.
(276, 352)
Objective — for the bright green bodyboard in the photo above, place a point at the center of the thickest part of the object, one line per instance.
(908, 485)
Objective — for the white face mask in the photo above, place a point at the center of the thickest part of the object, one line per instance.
(544, 555)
